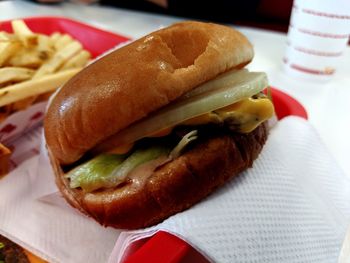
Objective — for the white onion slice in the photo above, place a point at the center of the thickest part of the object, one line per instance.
(222, 91)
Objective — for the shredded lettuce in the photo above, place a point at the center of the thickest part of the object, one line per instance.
(138, 157)
(95, 173)
(110, 170)
(189, 137)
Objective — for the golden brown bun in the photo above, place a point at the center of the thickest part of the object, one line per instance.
(173, 187)
(136, 80)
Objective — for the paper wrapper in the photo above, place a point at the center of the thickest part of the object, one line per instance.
(46, 225)
(21, 122)
(317, 37)
(292, 206)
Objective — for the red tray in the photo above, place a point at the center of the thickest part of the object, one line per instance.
(286, 105)
(162, 247)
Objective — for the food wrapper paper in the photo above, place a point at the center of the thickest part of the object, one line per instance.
(21, 122)
(292, 206)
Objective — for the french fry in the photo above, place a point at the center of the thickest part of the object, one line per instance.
(33, 57)
(63, 41)
(79, 60)
(45, 47)
(7, 49)
(30, 58)
(54, 37)
(7, 37)
(24, 33)
(58, 59)
(33, 66)
(15, 74)
(33, 87)
(5, 154)
(3, 36)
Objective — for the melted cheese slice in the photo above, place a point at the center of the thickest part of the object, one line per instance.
(243, 116)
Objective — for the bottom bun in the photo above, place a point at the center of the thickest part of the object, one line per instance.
(171, 188)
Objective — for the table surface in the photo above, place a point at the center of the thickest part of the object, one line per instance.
(327, 104)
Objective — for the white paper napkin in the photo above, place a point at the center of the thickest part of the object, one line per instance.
(292, 206)
(35, 216)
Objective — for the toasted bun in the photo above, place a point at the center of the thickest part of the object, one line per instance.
(177, 185)
(136, 80)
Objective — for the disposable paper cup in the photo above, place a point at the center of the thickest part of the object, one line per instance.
(317, 37)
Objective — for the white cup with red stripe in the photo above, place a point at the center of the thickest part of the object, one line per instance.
(317, 38)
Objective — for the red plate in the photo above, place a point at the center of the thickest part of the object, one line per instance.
(286, 105)
(162, 247)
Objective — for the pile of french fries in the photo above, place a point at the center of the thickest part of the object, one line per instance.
(33, 65)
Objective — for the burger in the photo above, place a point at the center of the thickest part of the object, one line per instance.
(154, 127)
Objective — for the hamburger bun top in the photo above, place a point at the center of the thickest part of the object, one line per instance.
(135, 80)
